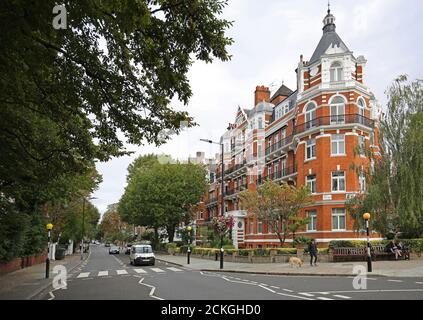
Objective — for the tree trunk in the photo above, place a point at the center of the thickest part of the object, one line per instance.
(156, 238)
(171, 231)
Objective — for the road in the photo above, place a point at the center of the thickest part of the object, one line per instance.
(103, 276)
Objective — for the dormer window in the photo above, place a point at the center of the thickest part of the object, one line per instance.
(336, 72)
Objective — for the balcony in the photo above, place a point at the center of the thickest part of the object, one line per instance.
(279, 175)
(278, 146)
(234, 191)
(211, 201)
(235, 169)
(335, 120)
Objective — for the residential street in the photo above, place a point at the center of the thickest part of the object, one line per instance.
(103, 276)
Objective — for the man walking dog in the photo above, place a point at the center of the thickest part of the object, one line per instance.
(312, 249)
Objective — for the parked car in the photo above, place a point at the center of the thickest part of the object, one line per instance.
(114, 250)
(107, 244)
(128, 248)
(142, 254)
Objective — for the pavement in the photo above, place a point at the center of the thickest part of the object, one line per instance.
(400, 268)
(24, 284)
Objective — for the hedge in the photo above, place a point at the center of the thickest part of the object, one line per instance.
(415, 245)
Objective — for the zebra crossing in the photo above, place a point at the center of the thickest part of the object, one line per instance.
(122, 272)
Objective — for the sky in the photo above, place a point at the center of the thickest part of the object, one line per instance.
(269, 37)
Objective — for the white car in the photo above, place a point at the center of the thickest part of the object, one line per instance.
(142, 254)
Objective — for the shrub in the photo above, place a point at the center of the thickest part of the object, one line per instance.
(244, 252)
(228, 246)
(261, 252)
(170, 245)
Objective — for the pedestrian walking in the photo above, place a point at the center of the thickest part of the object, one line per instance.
(312, 249)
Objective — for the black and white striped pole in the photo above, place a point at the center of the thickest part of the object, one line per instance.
(189, 244)
(49, 226)
(366, 218)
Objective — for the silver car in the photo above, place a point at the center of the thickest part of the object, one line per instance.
(142, 254)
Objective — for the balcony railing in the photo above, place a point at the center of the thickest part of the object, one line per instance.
(334, 120)
(235, 167)
(321, 121)
(278, 145)
(280, 174)
(211, 200)
(233, 191)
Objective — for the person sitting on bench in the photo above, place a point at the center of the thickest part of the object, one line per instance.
(392, 247)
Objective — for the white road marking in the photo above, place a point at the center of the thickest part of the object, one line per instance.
(395, 280)
(153, 288)
(419, 282)
(121, 272)
(268, 289)
(140, 271)
(306, 294)
(324, 298)
(376, 290)
(342, 297)
(324, 293)
(275, 287)
(157, 270)
(103, 273)
(51, 295)
(287, 290)
(83, 275)
(174, 269)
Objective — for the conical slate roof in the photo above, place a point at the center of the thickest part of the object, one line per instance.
(329, 39)
(282, 91)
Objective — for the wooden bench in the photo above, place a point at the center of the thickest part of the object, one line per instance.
(349, 254)
(379, 253)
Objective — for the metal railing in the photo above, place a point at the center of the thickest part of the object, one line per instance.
(282, 173)
(278, 145)
(334, 120)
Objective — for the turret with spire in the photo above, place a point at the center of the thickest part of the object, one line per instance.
(329, 21)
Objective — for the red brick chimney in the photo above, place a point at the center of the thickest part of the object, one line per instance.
(261, 93)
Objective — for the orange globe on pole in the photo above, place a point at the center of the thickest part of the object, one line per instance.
(366, 216)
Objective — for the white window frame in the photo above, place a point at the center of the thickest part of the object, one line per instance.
(362, 182)
(276, 168)
(312, 214)
(283, 167)
(361, 146)
(337, 140)
(310, 115)
(259, 226)
(251, 227)
(310, 182)
(336, 72)
(338, 179)
(337, 110)
(337, 213)
(311, 143)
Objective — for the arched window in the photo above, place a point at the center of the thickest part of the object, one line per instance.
(361, 106)
(310, 115)
(337, 110)
(336, 72)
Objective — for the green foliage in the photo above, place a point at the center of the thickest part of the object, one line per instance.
(162, 195)
(276, 204)
(394, 187)
(354, 243)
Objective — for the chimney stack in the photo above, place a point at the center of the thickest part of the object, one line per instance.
(261, 93)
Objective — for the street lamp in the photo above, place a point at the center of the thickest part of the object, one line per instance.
(222, 203)
(189, 228)
(366, 218)
(49, 226)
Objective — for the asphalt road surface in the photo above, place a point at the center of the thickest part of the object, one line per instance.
(103, 276)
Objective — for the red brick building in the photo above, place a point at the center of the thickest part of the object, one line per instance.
(310, 136)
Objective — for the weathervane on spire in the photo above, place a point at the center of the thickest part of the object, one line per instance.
(328, 6)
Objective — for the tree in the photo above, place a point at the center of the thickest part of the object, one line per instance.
(163, 195)
(65, 94)
(394, 194)
(277, 205)
(112, 226)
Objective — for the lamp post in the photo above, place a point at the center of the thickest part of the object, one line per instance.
(189, 242)
(83, 224)
(222, 203)
(366, 218)
(49, 226)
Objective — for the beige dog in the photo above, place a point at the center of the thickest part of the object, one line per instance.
(293, 261)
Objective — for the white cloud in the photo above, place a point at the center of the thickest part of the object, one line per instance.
(269, 38)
